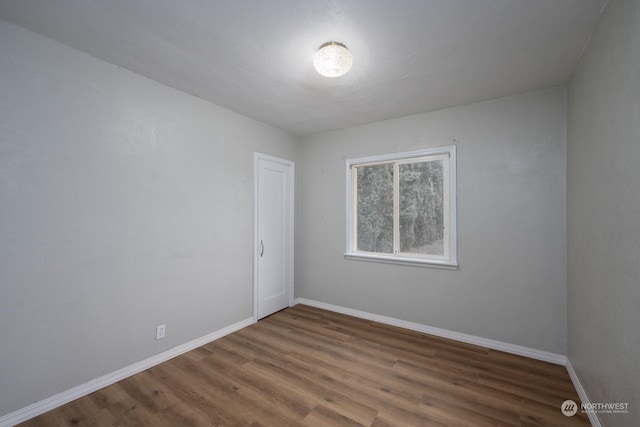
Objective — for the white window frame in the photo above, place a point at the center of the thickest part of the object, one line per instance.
(450, 258)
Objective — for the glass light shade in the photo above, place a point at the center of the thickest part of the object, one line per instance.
(333, 59)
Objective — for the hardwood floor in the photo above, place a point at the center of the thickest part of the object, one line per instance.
(309, 367)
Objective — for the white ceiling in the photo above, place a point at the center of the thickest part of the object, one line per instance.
(255, 57)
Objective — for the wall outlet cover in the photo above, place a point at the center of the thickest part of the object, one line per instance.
(160, 331)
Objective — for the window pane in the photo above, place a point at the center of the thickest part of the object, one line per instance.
(375, 208)
(421, 208)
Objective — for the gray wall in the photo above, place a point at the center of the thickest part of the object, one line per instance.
(603, 184)
(511, 285)
(124, 204)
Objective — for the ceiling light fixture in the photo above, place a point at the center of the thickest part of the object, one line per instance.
(332, 59)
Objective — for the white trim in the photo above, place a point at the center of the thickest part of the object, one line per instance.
(595, 422)
(391, 259)
(256, 238)
(387, 158)
(450, 259)
(532, 353)
(45, 405)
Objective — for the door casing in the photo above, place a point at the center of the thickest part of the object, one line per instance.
(256, 232)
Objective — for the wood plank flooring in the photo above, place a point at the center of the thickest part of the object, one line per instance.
(309, 367)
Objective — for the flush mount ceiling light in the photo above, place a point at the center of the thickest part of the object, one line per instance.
(332, 59)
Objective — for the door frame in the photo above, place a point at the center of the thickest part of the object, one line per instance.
(256, 237)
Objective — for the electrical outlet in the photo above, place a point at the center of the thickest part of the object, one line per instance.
(160, 331)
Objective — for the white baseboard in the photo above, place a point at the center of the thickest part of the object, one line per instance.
(545, 356)
(67, 396)
(595, 422)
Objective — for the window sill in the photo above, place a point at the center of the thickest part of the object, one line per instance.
(402, 261)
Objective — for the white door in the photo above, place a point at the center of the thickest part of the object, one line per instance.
(273, 265)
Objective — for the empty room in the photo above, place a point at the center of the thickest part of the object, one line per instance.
(320, 213)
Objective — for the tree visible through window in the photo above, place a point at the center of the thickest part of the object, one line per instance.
(375, 208)
(401, 206)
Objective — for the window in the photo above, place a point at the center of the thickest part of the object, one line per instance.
(402, 208)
